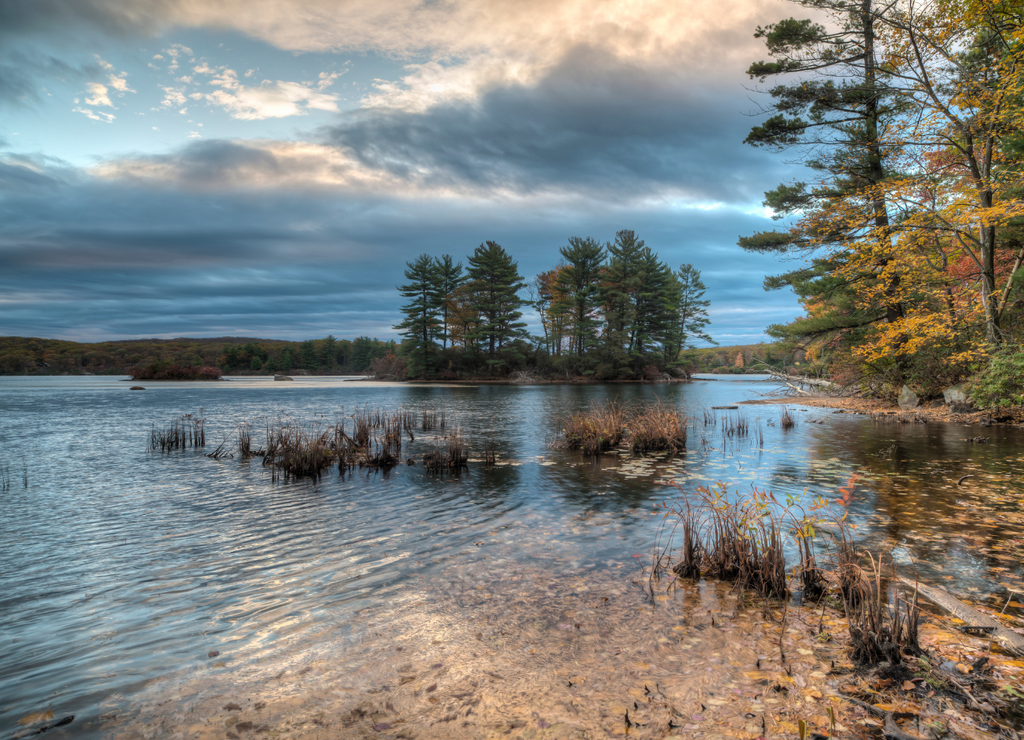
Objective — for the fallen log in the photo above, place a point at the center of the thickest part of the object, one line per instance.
(1009, 640)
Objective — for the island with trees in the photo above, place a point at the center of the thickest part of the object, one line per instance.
(607, 312)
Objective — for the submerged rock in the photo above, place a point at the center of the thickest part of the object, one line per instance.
(136, 388)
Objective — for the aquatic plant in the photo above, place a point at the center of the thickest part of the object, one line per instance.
(594, 431)
(786, 419)
(189, 430)
(656, 426)
(450, 454)
(644, 428)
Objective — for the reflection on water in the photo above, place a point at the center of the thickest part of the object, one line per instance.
(122, 569)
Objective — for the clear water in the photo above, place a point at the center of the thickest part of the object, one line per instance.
(122, 570)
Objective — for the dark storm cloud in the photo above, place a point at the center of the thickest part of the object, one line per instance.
(595, 123)
(81, 258)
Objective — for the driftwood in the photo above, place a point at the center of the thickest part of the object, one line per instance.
(1009, 640)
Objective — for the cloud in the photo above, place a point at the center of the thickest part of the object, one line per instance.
(271, 99)
(95, 115)
(298, 262)
(595, 123)
(99, 95)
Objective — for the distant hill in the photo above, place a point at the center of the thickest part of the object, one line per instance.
(235, 355)
(741, 358)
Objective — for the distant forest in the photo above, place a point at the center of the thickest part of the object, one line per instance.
(249, 356)
(232, 355)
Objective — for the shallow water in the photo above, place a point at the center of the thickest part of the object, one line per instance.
(122, 569)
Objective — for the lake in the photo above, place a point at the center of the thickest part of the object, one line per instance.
(147, 594)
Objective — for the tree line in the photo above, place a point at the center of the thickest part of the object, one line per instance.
(910, 119)
(612, 310)
(237, 356)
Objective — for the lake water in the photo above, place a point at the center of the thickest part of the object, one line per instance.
(411, 605)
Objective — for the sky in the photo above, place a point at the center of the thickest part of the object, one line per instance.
(266, 168)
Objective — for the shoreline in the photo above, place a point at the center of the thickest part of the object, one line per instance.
(885, 411)
(536, 381)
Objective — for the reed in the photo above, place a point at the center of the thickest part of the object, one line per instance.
(187, 431)
(737, 540)
(735, 425)
(450, 454)
(490, 452)
(296, 450)
(882, 627)
(786, 419)
(220, 451)
(594, 431)
(655, 427)
(428, 420)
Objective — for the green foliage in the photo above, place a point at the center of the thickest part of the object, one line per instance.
(422, 314)
(1001, 383)
(494, 279)
(579, 286)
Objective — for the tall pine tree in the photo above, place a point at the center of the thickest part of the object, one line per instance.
(579, 285)
(691, 312)
(422, 316)
(449, 278)
(495, 283)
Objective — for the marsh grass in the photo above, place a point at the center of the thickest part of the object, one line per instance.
(882, 620)
(741, 538)
(595, 431)
(640, 427)
(490, 452)
(735, 425)
(786, 419)
(450, 454)
(187, 431)
(656, 426)
(432, 419)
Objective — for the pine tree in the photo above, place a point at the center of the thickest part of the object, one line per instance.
(422, 316)
(621, 281)
(839, 109)
(495, 281)
(449, 278)
(691, 312)
(579, 283)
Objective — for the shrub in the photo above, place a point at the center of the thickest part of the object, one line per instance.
(163, 371)
(390, 367)
(1002, 382)
(605, 371)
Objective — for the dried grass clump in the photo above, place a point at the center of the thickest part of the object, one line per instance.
(656, 427)
(595, 431)
(298, 450)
